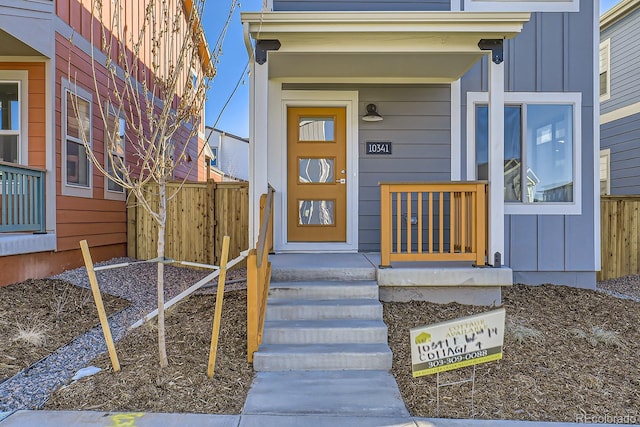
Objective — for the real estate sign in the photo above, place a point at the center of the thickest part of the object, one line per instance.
(457, 343)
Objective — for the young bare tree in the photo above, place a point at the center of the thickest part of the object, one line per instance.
(151, 72)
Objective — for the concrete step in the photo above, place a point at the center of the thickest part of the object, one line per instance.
(303, 309)
(324, 332)
(313, 357)
(334, 266)
(325, 289)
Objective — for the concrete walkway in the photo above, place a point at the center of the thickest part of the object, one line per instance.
(139, 419)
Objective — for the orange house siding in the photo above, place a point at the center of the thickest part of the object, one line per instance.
(102, 222)
(36, 111)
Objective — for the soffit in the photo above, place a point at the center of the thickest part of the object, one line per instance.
(378, 46)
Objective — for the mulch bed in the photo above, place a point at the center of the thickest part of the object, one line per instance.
(184, 385)
(39, 316)
(582, 363)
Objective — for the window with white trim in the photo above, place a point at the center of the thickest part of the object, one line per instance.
(77, 130)
(605, 70)
(115, 151)
(605, 172)
(541, 151)
(10, 121)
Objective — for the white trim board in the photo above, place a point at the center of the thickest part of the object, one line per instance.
(620, 113)
(278, 169)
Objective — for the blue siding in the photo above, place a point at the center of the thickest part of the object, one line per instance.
(356, 5)
(622, 137)
(624, 37)
(554, 53)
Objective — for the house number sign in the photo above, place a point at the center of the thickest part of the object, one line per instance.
(378, 147)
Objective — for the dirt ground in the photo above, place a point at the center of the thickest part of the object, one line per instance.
(184, 385)
(568, 353)
(39, 316)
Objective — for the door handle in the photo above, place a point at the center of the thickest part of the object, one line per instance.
(342, 180)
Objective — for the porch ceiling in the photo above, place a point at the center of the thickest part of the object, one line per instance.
(378, 46)
(11, 46)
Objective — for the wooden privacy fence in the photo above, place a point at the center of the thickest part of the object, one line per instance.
(433, 222)
(198, 218)
(619, 236)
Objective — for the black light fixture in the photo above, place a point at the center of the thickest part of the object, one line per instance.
(372, 114)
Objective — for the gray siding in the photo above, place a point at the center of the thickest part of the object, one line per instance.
(26, 28)
(355, 5)
(625, 61)
(623, 138)
(552, 54)
(417, 122)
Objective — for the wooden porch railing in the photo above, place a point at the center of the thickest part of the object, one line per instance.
(259, 276)
(22, 198)
(439, 221)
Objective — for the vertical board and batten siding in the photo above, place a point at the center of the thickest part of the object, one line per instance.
(359, 5)
(417, 122)
(623, 138)
(624, 38)
(550, 55)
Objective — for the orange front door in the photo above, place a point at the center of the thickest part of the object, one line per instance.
(316, 164)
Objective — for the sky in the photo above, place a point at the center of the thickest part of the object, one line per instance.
(235, 118)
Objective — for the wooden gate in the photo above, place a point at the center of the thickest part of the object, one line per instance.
(198, 218)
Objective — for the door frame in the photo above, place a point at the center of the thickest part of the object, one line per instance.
(278, 158)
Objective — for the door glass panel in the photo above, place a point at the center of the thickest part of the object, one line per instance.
(316, 129)
(316, 212)
(315, 170)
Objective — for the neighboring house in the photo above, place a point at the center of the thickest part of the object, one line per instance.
(620, 99)
(444, 78)
(51, 196)
(227, 156)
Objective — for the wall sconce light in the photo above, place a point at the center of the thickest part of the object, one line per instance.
(372, 114)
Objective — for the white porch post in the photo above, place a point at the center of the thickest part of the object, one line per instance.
(258, 179)
(496, 161)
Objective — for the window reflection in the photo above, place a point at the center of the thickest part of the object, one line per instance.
(315, 170)
(547, 142)
(316, 129)
(316, 212)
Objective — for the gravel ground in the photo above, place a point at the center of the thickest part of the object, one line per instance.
(31, 388)
(627, 287)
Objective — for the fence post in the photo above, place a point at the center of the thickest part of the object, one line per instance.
(385, 225)
(131, 227)
(481, 223)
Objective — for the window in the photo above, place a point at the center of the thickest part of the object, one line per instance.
(605, 172)
(76, 113)
(213, 161)
(115, 150)
(10, 122)
(541, 145)
(605, 70)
